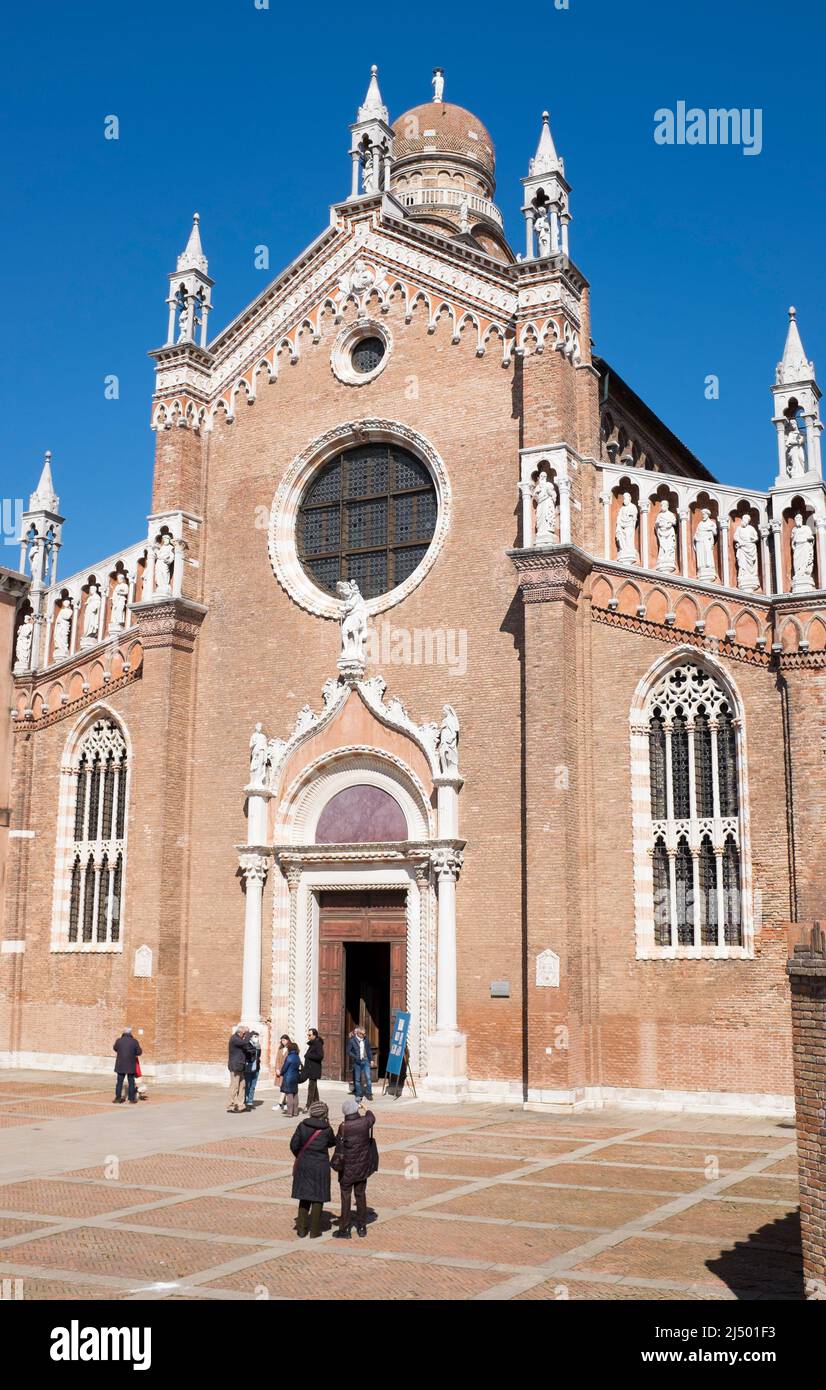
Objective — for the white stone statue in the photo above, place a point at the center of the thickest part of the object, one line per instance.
(438, 84)
(464, 216)
(305, 720)
(447, 745)
(626, 530)
(542, 227)
(330, 691)
(704, 538)
(369, 182)
(258, 756)
(353, 621)
(36, 559)
(23, 645)
(164, 564)
(544, 495)
(795, 450)
(665, 529)
(91, 613)
(275, 748)
(62, 629)
(803, 556)
(746, 539)
(120, 598)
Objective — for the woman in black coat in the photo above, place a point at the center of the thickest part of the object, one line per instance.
(313, 1058)
(359, 1154)
(311, 1170)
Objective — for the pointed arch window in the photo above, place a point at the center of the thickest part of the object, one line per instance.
(689, 830)
(89, 880)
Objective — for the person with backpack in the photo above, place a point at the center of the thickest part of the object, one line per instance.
(252, 1069)
(290, 1072)
(311, 1170)
(313, 1058)
(356, 1157)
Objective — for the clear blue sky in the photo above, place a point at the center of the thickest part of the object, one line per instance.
(693, 253)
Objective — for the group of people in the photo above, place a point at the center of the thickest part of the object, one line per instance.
(244, 1062)
(354, 1158)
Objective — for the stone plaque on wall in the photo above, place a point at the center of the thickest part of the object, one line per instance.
(547, 969)
(143, 962)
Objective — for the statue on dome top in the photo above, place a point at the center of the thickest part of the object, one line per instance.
(438, 84)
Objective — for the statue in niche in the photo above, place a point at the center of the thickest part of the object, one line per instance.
(25, 639)
(353, 621)
(803, 556)
(438, 84)
(91, 613)
(625, 530)
(120, 598)
(258, 756)
(183, 301)
(704, 538)
(36, 561)
(745, 552)
(544, 495)
(164, 564)
(795, 450)
(447, 745)
(369, 182)
(542, 227)
(63, 629)
(665, 529)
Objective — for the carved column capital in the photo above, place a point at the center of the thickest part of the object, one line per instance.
(447, 863)
(253, 865)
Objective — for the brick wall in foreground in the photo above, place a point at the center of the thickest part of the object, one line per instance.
(807, 977)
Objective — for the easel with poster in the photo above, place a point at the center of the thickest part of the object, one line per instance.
(397, 1072)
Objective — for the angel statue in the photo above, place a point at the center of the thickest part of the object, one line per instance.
(353, 621)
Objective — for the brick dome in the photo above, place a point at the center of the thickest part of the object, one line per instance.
(438, 127)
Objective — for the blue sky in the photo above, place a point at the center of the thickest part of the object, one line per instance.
(693, 252)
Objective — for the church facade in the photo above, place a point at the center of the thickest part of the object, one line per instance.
(446, 679)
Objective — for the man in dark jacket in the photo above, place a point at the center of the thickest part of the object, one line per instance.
(240, 1050)
(127, 1050)
(360, 1054)
(313, 1058)
(357, 1148)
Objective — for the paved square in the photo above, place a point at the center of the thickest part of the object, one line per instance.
(175, 1199)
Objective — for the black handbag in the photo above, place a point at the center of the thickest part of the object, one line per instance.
(337, 1159)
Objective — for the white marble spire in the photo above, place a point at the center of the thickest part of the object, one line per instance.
(373, 108)
(546, 160)
(192, 257)
(44, 498)
(794, 365)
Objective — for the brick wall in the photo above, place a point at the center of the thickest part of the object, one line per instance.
(807, 978)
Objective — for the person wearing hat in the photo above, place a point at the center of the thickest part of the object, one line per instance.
(311, 1170)
(357, 1157)
(127, 1050)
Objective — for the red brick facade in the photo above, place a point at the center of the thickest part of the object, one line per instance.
(807, 978)
(558, 640)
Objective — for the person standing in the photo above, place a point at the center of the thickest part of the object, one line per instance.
(361, 1055)
(356, 1158)
(280, 1058)
(127, 1050)
(290, 1072)
(313, 1058)
(252, 1070)
(239, 1052)
(311, 1170)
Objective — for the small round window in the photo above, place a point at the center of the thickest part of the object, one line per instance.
(366, 355)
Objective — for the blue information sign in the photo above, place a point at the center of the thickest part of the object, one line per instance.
(398, 1042)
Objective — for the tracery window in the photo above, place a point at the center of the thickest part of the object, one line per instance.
(369, 515)
(95, 849)
(691, 854)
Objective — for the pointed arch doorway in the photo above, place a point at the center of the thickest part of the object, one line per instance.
(362, 971)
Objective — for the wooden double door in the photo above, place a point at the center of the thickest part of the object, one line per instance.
(362, 972)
